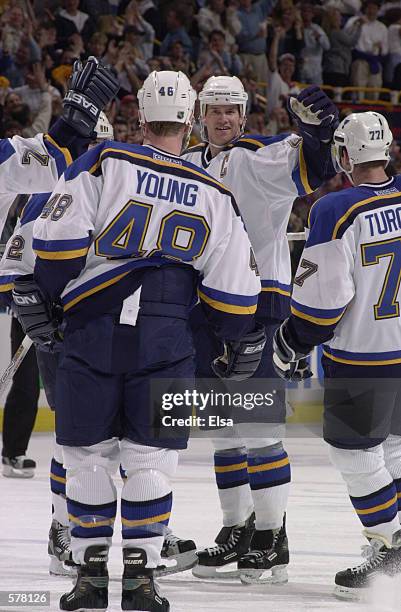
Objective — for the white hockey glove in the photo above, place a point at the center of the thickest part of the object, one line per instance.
(288, 363)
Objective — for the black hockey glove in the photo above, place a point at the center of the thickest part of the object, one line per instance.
(288, 363)
(315, 114)
(241, 359)
(39, 320)
(92, 87)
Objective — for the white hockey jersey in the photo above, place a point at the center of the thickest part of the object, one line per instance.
(19, 258)
(29, 165)
(120, 208)
(265, 174)
(349, 276)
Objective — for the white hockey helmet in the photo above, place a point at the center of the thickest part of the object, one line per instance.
(166, 96)
(365, 136)
(104, 130)
(223, 90)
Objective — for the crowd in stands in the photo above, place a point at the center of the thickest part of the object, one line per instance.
(274, 46)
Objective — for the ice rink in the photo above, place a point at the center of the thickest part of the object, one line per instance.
(324, 537)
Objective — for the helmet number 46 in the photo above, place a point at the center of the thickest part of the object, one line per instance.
(166, 91)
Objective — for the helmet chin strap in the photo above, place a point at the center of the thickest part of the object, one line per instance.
(349, 172)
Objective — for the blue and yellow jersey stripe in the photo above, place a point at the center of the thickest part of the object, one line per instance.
(228, 302)
(276, 287)
(7, 282)
(300, 174)
(319, 316)
(106, 279)
(61, 249)
(331, 215)
(61, 155)
(362, 359)
(6, 150)
(143, 156)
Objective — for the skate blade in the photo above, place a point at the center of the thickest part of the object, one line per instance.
(10, 472)
(215, 573)
(57, 568)
(349, 594)
(278, 575)
(182, 562)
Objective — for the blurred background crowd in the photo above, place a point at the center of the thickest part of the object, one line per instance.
(274, 46)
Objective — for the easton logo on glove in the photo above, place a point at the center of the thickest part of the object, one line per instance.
(255, 349)
(22, 300)
(82, 101)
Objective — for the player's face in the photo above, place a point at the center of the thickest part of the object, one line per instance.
(223, 123)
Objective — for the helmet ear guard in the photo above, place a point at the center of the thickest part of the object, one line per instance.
(222, 90)
(365, 136)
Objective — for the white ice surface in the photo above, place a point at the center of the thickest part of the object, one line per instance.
(324, 537)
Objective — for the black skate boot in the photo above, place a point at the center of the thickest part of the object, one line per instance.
(268, 552)
(59, 550)
(232, 543)
(91, 588)
(180, 554)
(139, 589)
(18, 467)
(383, 558)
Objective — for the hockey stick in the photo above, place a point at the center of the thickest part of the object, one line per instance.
(296, 236)
(14, 363)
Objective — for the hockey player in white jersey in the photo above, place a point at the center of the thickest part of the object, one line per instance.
(33, 165)
(19, 260)
(127, 238)
(265, 175)
(346, 296)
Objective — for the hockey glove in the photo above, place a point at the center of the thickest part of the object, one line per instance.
(288, 363)
(39, 320)
(315, 114)
(241, 359)
(92, 87)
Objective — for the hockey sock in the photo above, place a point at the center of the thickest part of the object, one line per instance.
(57, 487)
(146, 503)
(232, 481)
(392, 458)
(92, 508)
(146, 498)
(371, 488)
(269, 477)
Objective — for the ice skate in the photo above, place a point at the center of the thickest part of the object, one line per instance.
(232, 544)
(179, 554)
(18, 467)
(139, 590)
(267, 559)
(61, 563)
(383, 558)
(91, 587)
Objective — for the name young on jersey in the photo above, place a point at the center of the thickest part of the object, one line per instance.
(166, 188)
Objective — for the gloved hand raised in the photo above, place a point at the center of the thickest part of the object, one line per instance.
(314, 112)
(92, 87)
